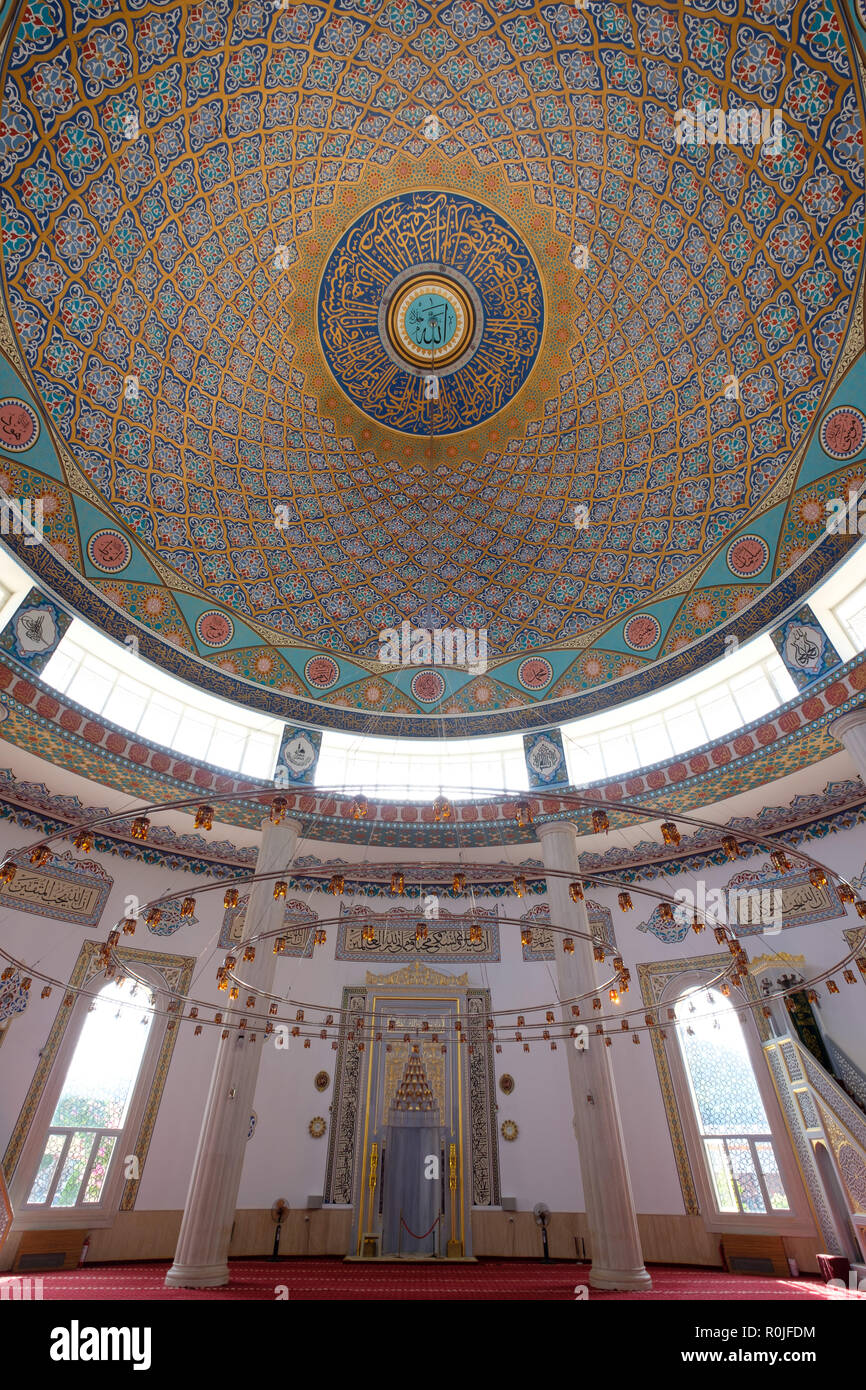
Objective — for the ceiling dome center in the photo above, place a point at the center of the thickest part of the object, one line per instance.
(431, 284)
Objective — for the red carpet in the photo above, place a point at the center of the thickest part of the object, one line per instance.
(488, 1280)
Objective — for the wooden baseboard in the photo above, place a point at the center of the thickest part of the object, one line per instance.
(761, 1255)
(42, 1250)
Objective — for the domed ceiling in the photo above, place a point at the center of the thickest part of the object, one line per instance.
(327, 318)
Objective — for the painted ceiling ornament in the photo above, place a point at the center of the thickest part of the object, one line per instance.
(747, 556)
(843, 432)
(14, 998)
(642, 632)
(336, 235)
(214, 628)
(109, 551)
(19, 425)
(462, 301)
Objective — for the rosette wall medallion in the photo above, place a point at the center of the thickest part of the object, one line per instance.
(330, 318)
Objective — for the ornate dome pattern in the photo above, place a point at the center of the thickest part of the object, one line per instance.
(176, 181)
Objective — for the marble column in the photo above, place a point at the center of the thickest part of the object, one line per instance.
(617, 1259)
(850, 731)
(201, 1259)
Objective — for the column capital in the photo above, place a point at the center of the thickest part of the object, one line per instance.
(287, 823)
(854, 719)
(556, 827)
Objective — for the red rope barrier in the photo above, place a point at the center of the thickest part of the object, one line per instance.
(426, 1233)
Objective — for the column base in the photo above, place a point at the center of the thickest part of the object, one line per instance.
(620, 1278)
(197, 1276)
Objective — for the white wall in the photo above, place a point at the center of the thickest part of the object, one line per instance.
(282, 1159)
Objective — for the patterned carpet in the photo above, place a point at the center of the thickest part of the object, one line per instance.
(488, 1280)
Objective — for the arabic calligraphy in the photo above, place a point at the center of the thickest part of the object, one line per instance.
(19, 425)
(468, 244)
(42, 891)
(461, 940)
(431, 322)
(790, 901)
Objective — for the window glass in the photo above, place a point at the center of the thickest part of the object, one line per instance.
(754, 694)
(160, 720)
(686, 728)
(726, 1100)
(652, 742)
(93, 1105)
(91, 684)
(126, 703)
(619, 754)
(719, 713)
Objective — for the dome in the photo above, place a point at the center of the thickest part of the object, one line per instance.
(335, 321)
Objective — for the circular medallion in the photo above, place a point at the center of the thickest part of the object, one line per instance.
(843, 432)
(214, 628)
(509, 1130)
(535, 673)
(747, 556)
(506, 1083)
(109, 551)
(642, 632)
(317, 1126)
(19, 425)
(321, 672)
(429, 321)
(445, 291)
(428, 687)
(321, 1081)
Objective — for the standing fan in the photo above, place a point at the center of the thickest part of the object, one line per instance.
(278, 1211)
(541, 1212)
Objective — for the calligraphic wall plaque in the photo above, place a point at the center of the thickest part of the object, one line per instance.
(298, 918)
(545, 759)
(67, 889)
(541, 945)
(393, 935)
(754, 899)
(33, 633)
(805, 648)
(298, 756)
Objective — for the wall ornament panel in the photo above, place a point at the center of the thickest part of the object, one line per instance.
(448, 934)
(65, 888)
(541, 945)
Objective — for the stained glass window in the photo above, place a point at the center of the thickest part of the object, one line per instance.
(732, 1122)
(93, 1105)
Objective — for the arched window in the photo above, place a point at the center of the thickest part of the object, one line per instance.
(91, 1112)
(733, 1129)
